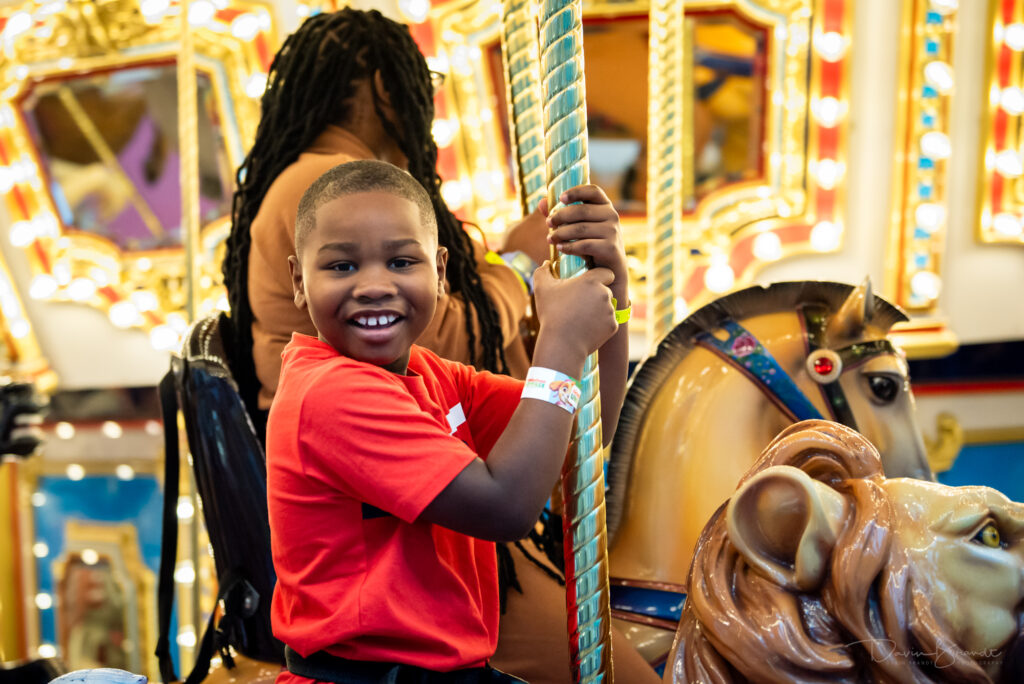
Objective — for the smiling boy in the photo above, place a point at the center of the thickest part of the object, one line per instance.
(392, 471)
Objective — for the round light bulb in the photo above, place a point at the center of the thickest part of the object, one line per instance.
(123, 314)
(1007, 224)
(825, 236)
(939, 75)
(945, 7)
(828, 172)
(75, 472)
(164, 338)
(81, 289)
(22, 234)
(935, 145)
(1011, 99)
(930, 216)
(1009, 164)
(1013, 36)
(124, 472)
(64, 430)
(43, 286)
(926, 285)
(830, 46)
(719, 277)
(416, 11)
(767, 246)
(828, 111)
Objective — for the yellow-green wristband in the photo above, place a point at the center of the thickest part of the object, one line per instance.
(622, 315)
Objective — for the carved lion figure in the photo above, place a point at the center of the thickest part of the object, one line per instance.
(819, 569)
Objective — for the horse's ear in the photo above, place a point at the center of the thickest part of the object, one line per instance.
(785, 524)
(855, 313)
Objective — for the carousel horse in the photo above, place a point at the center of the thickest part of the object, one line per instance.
(822, 569)
(719, 387)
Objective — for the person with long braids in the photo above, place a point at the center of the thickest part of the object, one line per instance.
(353, 85)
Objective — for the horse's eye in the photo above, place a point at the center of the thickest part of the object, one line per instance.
(989, 536)
(883, 387)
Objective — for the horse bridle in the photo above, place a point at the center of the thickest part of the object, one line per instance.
(743, 351)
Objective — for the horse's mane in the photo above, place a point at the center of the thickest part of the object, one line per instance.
(677, 343)
(870, 620)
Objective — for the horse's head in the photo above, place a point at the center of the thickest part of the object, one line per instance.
(864, 379)
(727, 379)
(842, 368)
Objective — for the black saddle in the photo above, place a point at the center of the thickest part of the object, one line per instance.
(230, 473)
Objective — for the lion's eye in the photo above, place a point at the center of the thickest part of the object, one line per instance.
(989, 536)
(883, 387)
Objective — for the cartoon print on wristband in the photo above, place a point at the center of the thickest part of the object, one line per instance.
(553, 387)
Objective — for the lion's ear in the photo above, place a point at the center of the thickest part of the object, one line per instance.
(785, 524)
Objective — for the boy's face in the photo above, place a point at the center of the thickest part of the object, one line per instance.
(370, 275)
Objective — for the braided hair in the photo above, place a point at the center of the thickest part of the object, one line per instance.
(311, 79)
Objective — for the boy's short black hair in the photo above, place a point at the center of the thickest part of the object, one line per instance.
(356, 177)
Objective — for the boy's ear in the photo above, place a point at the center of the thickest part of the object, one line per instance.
(298, 293)
(442, 267)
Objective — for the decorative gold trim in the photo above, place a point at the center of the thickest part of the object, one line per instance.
(918, 223)
(927, 338)
(1001, 435)
(1001, 188)
(233, 48)
(945, 447)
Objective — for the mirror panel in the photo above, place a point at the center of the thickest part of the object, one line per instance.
(88, 149)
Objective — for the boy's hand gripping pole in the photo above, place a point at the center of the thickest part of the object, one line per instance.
(585, 534)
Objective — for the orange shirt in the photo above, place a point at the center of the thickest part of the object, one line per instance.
(354, 455)
(275, 317)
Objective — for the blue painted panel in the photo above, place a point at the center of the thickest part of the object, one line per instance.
(1000, 466)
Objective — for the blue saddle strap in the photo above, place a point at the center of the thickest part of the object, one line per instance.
(743, 351)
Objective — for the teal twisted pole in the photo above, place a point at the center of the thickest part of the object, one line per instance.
(584, 530)
(665, 160)
(522, 68)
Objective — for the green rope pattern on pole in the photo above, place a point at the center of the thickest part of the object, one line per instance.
(522, 68)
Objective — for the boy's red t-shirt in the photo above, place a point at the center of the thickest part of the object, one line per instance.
(354, 455)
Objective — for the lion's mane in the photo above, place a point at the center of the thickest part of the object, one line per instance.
(868, 622)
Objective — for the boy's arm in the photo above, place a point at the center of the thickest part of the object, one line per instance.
(500, 499)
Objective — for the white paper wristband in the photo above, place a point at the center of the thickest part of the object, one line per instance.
(553, 387)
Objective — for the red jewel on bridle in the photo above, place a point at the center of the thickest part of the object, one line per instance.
(824, 366)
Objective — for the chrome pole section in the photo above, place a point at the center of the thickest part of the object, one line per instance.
(585, 534)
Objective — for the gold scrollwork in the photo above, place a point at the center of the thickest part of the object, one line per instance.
(73, 49)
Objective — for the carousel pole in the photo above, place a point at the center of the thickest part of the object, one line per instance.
(188, 180)
(665, 161)
(523, 94)
(584, 531)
